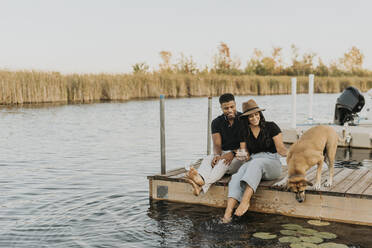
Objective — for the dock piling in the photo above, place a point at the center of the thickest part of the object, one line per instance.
(311, 94)
(162, 135)
(209, 125)
(294, 89)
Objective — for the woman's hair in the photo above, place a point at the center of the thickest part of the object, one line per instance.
(245, 130)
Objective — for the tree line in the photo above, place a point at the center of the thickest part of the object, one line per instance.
(350, 64)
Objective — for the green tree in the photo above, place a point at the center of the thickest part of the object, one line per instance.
(353, 60)
(321, 69)
(254, 65)
(186, 65)
(223, 63)
(140, 67)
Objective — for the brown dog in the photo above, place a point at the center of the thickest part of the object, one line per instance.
(314, 146)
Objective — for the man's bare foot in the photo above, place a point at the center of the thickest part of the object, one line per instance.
(196, 187)
(194, 175)
(242, 208)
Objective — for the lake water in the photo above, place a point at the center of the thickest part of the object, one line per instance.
(75, 176)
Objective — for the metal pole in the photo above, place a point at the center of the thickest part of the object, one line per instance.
(209, 125)
(294, 89)
(311, 94)
(162, 135)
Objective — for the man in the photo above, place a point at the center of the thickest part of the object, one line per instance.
(225, 135)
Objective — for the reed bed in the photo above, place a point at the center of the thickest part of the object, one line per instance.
(25, 87)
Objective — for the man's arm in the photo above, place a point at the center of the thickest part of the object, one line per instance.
(217, 148)
(217, 143)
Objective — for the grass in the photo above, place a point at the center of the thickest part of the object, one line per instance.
(24, 87)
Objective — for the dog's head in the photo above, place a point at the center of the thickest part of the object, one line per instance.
(297, 184)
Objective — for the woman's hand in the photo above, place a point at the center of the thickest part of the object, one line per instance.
(242, 155)
(279, 145)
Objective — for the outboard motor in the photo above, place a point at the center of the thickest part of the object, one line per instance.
(348, 105)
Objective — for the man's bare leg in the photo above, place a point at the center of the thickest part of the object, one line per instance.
(244, 204)
(231, 203)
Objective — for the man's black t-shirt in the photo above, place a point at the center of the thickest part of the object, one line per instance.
(264, 141)
(229, 134)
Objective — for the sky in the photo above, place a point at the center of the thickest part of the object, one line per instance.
(109, 36)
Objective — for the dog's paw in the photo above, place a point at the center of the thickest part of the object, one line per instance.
(327, 184)
(316, 186)
(279, 185)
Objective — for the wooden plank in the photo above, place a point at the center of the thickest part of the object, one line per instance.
(368, 191)
(150, 188)
(169, 174)
(181, 175)
(270, 201)
(347, 209)
(182, 192)
(323, 179)
(337, 179)
(325, 207)
(312, 176)
(182, 170)
(225, 180)
(362, 185)
(311, 172)
(175, 172)
(350, 181)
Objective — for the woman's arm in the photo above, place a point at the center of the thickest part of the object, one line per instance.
(279, 145)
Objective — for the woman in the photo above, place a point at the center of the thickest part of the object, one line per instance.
(262, 140)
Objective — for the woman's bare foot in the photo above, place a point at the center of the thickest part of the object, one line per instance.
(226, 219)
(231, 203)
(196, 187)
(194, 175)
(241, 209)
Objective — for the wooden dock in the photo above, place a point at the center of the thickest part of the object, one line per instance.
(349, 200)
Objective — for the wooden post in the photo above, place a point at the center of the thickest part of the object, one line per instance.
(311, 94)
(209, 125)
(294, 89)
(162, 135)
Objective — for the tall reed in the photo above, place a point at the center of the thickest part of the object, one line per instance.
(22, 87)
